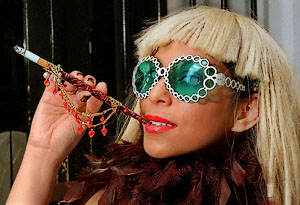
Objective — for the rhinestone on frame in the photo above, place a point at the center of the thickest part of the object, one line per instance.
(196, 58)
(202, 93)
(204, 62)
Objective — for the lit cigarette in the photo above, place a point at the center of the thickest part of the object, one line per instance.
(31, 56)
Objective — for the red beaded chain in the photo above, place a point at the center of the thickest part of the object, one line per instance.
(60, 76)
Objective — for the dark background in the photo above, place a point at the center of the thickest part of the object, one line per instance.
(95, 37)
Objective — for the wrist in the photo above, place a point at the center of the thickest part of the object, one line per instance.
(46, 159)
(36, 177)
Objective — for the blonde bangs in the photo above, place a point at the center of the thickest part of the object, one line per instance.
(200, 29)
(224, 35)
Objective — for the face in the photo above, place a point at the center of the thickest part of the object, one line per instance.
(180, 127)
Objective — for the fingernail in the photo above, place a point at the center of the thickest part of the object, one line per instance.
(91, 79)
(72, 92)
(79, 73)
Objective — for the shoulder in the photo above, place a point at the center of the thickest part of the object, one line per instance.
(95, 198)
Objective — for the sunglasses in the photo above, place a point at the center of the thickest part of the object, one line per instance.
(187, 78)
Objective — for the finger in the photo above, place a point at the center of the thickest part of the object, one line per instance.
(80, 99)
(77, 74)
(77, 96)
(94, 104)
(50, 93)
(89, 80)
(71, 89)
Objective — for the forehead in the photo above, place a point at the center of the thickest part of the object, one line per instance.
(175, 49)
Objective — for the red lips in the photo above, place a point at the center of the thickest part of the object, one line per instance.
(159, 127)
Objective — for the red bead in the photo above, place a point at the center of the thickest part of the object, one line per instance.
(66, 105)
(46, 82)
(61, 95)
(89, 123)
(54, 91)
(79, 129)
(91, 133)
(104, 130)
(102, 119)
(75, 115)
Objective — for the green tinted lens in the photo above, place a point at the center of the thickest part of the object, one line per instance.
(144, 76)
(186, 77)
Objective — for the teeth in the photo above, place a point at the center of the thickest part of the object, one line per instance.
(160, 123)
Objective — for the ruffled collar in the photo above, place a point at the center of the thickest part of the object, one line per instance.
(130, 176)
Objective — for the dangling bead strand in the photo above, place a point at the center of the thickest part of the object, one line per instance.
(104, 130)
(59, 87)
(54, 91)
(79, 129)
(91, 133)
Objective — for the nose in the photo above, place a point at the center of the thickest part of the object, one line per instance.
(160, 95)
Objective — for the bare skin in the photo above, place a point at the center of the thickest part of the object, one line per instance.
(52, 137)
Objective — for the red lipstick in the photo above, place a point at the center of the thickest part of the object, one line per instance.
(158, 124)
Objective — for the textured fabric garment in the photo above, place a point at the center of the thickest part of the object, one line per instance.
(130, 176)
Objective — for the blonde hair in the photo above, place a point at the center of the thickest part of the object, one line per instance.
(230, 37)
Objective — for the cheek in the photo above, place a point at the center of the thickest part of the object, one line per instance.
(207, 126)
(211, 113)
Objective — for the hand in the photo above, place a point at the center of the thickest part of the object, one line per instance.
(53, 128)
(52, 137)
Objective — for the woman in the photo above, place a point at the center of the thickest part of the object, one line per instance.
(215, 143)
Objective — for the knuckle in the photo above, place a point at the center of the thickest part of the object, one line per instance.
(90, 80)
(77, 74)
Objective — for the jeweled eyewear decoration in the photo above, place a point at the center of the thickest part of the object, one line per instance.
(187, 78)
(60, 76)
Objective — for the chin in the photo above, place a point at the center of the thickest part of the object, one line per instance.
(156, 151)
(157, 155)
(159, 152)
